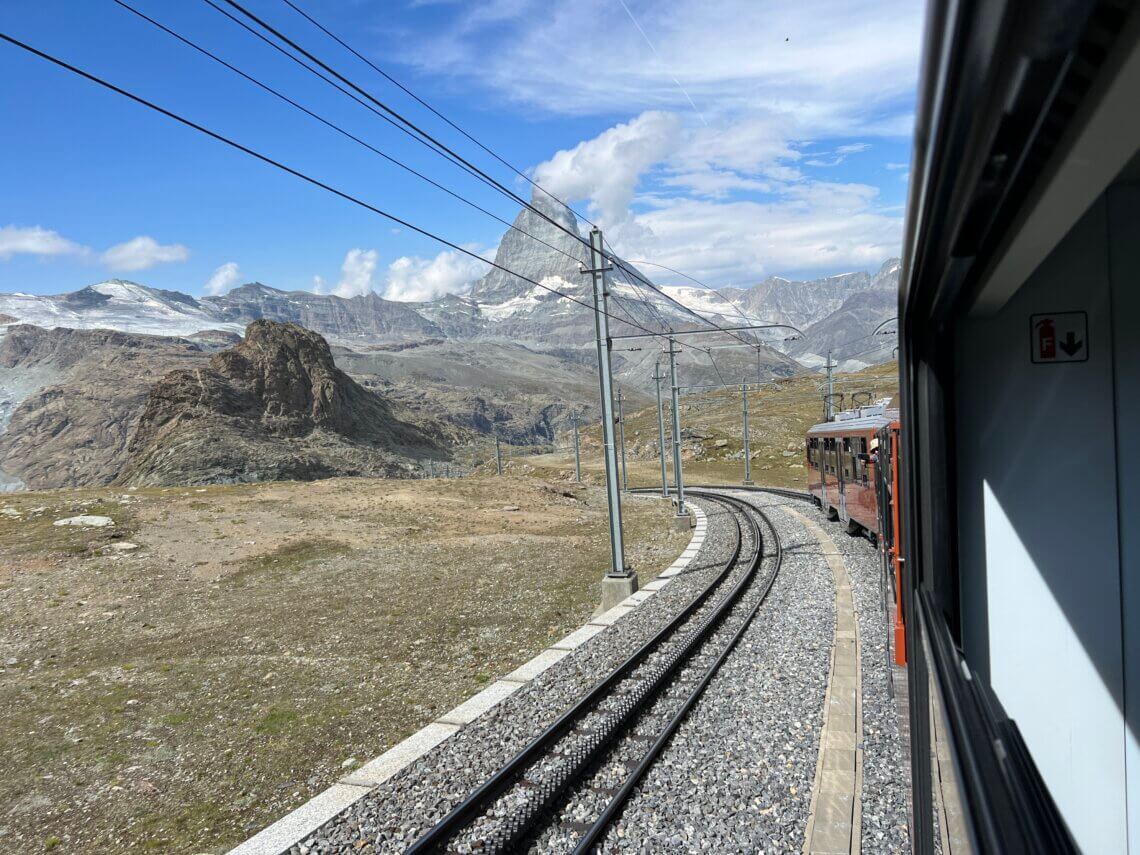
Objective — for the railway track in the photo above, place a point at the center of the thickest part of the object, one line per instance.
(666, 676)
(775, 491)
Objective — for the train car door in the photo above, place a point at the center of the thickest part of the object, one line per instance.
(842, 475)
(824, 463)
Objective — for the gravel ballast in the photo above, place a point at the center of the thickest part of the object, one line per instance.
(737, 775)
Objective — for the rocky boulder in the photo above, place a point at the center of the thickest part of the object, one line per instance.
(273, 407)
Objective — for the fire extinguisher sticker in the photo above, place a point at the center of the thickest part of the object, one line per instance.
(1059, 337)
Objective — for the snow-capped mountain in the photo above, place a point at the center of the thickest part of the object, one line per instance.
(836, 313)
(116, 304)
(548, 315)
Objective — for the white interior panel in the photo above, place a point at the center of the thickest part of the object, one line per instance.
(1038, 535)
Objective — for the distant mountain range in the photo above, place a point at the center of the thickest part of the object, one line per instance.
(499, 306)
(510, 358)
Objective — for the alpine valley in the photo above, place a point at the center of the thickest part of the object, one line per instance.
(103, 384)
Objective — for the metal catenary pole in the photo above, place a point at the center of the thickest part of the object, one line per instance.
(498, 457)
(827, 410)
(577, 451)
(678, 477)
(602, 334)
(658, 376)
(621, 440)
(747, 452)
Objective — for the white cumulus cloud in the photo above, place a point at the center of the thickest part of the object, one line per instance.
(839, 66)
(607, 168)
(357, 272)
(223, 279)
(35, 240)
(413, 279)
(143, 252)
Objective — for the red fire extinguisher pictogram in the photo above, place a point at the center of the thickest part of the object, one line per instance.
(1046, 340)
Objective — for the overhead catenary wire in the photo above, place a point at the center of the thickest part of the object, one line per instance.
(661, 319)
(425, 138)
(471, 170)
(432, 109)
(332, 125)
(687, 309)
(285, 168)
(286, 99)
(170, 114)
(415, 130)
(736, 309)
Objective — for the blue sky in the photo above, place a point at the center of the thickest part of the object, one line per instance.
(732, 139)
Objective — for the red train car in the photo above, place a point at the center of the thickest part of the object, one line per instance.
(854, 469)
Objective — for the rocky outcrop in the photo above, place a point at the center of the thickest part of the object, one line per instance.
(70, 400)
(273, 407)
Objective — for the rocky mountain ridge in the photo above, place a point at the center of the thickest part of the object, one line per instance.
(541, 248)
(273, 407)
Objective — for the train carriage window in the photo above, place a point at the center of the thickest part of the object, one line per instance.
(858, 447)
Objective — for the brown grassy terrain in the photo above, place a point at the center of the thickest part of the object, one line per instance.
(179, 696)
(778, 418)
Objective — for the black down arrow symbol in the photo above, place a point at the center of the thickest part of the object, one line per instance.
(1071, 344)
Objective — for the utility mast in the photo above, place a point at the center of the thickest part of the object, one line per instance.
(619, 582)
(747, 453)
(498, 457)
(658, 376)
(621, 440)
(828, 411)
(577, 450)
(678, 477)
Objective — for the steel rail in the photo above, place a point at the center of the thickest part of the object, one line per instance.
(526, 821)
(616, 804)
(777, 491)
(473, 805)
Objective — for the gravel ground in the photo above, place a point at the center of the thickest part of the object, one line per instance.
(886, 762)
(737, 775)
(395, 813)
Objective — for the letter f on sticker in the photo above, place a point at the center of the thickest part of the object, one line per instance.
(1046, 340)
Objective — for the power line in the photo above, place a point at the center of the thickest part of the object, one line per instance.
(395, 161)
(138, 99)
(736, 309)
(288, 169)
(417, 131)
(429, 107)
(276, 93)
(676, 302)
(433, 142)
(333, 83)
(649, 303)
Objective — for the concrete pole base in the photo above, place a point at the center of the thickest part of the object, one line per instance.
(617, 588)
(748, 483)
(683, 522)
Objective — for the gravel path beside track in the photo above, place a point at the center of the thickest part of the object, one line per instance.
(395, 813)
(886, 762)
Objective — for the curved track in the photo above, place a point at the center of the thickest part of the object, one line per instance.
(518, 801)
